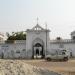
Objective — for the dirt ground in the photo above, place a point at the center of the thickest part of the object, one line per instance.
(64, 68)
(19, 67)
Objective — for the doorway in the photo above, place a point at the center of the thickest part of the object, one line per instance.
(38, 51)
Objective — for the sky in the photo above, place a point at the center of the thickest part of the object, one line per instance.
(19, 15)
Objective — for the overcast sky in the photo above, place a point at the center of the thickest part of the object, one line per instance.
(19, 15)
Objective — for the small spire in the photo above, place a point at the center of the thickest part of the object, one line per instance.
(37, 20)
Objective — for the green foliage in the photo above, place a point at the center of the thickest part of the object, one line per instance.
(58, 38)
(16, 36)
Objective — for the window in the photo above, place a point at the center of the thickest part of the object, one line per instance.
(17, 51)
(73, 37)
(24, 50)
(63, 53)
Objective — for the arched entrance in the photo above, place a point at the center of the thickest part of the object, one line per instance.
(38, 51)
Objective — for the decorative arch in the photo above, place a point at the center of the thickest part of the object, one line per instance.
(38, 48)
(38, 40)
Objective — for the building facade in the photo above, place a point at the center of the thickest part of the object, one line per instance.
(37, 45)
(37, 41)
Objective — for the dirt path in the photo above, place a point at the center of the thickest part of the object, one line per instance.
(65, 68)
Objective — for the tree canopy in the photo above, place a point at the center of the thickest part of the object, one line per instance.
(58, 38)
(16, 36)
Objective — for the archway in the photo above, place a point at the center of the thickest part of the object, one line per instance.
(38, 48)
(38, 51)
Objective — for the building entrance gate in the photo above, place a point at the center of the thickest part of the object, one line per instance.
(38, 51)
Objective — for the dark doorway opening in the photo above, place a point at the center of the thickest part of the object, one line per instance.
(38, 51)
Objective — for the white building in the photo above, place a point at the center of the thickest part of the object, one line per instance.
(37, 43)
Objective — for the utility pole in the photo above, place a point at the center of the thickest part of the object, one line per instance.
(46, 41)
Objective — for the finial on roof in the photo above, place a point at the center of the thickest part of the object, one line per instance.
(37, 20)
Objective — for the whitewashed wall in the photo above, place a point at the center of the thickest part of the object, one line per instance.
(14, 50)
(68, 46)
(71, 48)
(18, 49)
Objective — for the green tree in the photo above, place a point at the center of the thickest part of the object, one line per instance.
(16, 36)
(58, 38)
